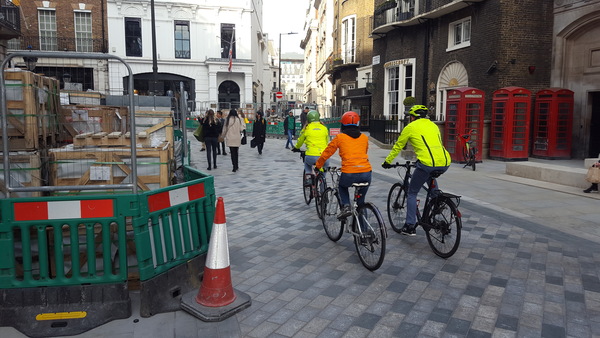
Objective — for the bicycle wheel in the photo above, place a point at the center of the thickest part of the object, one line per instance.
(473, 160)
(308, 194)
(396, 206)
(371, 246)
(330, 207)
(320, 186)
(445, 225)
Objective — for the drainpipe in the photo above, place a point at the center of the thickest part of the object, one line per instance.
(426, 64)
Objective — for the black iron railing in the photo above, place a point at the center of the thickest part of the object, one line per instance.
(41, 43)
(384, 131)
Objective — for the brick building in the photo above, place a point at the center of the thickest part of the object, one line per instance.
(66, 27)
(349, 67)
(428, 47)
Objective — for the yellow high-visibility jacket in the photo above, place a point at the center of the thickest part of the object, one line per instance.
(426, 140)
(316, 137)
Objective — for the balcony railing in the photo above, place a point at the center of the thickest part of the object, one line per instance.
(10, 22)
(390, 16)
(339, 59)
(405, 11)
(36, 42)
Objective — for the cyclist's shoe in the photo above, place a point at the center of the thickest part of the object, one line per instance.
(345, 212)
(409, 230)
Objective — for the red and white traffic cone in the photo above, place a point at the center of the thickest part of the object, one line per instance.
(216, 300)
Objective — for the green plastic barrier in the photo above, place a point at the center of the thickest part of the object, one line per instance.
(43, 244)
(191, 123)
(48, 241)
(249, 127)
(57, 253)
(168, 235)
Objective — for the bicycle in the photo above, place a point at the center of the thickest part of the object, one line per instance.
(469, 150)
(367, 226)
(440, 218)
(313, 186)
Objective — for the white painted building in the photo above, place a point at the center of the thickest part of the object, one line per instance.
(193, 41)
(318, 47)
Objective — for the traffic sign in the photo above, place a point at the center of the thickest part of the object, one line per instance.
(279, 95)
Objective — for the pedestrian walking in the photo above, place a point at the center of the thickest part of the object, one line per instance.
(259, 132)
(289, 129)
(211, 127)
(221, 145)
(233, 130)
(304, 118)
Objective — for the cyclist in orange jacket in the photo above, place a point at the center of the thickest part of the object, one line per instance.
(353, 146)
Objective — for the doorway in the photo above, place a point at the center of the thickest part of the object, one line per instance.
(594, 141)
(229, 95)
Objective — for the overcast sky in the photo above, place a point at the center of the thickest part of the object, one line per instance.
(284, 17)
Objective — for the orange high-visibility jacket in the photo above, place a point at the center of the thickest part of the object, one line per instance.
(353, 151)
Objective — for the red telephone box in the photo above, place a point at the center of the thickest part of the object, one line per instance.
(553, 124)
(464, 115)
(509, 133)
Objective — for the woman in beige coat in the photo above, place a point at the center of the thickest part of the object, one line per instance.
(233, 129)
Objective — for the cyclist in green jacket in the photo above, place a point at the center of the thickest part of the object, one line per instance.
(316, 137)
(426, 140)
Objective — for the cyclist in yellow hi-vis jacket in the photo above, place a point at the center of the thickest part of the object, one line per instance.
(426, 140)
(316, 137)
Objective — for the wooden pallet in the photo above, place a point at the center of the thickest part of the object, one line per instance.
(109, 166)
(32, 110)
(114, 139)
(109, 119)
(23, 164)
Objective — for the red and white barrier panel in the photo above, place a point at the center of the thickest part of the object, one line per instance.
(37, 211)
(170, 198)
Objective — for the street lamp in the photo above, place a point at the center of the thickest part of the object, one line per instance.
(279, 58)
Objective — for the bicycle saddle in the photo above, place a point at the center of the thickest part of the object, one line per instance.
(436, 173)
(361, 184)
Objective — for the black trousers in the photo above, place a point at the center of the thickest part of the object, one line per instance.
(234, 152)
(212, 145)
(259, 147)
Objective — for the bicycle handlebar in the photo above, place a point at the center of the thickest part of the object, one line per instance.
(405, 165)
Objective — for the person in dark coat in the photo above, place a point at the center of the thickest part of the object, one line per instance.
(211, 127)
(222, 144)
(259, 131)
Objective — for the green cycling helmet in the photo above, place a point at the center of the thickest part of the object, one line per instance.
(418, 111)
(313, 116)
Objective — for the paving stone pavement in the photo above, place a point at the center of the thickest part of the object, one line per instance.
(516, 274)
(510, 277)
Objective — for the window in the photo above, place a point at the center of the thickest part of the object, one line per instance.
(399, 84)
(47, 22)
(182, 40)
(459, 34)
(133, 36)
(227, 40)
(83, 32)
(274, 85)
(346, 88)
(348, 39)
(274, 74)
